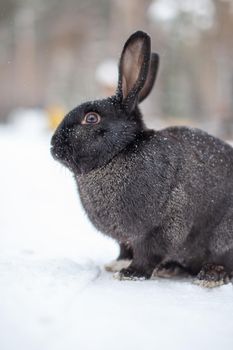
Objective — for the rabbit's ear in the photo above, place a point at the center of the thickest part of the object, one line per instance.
(151, 76)
(133, 69)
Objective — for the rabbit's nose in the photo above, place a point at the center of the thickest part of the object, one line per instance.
(53, 140)
(60, 147)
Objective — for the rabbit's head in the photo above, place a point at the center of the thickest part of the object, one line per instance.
(94, 132)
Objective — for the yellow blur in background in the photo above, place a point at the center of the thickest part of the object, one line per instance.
(55, 115)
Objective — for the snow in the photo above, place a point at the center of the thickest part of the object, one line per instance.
(54, 292)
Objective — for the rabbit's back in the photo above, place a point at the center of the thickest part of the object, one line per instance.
(205, 176)
(206, 147)
(207, 164)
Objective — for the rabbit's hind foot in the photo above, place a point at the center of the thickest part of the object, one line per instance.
(211, 276)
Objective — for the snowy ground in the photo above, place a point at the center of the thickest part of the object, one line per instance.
(54, 293)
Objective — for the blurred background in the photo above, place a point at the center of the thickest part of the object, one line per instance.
(56, 54)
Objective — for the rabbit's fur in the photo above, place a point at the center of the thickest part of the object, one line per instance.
(166, 196)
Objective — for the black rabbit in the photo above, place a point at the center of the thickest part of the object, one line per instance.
(166, 196)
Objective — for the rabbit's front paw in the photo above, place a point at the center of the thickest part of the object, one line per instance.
(117, 265)
(212, 275)
(131, 273)
(169, 270)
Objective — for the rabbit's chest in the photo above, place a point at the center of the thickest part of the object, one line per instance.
(112, 200)
(105, 201)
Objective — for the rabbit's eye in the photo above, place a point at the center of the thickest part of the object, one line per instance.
(91, 118)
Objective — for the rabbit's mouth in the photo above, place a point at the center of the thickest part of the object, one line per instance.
(61, 149)
(66, 157)
(60, 153)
